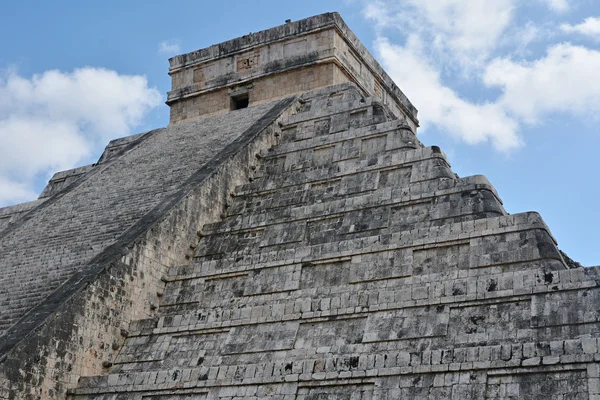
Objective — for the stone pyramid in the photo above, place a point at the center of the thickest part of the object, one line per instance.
(315, 249)
(356, 265)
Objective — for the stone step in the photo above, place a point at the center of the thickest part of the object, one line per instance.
(370, 370)
(338, 106)
(388, 135)
(482, 232)
(392, 187)
(319, 103)
(448, 198)
(348, 116)
(481, 291)
(335, 158)
(373, 181)
(427, 163)
(225, 301)
(378, 221)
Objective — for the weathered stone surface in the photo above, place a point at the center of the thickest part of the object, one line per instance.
(80, 265)
(310, 248)
(9, 215)
(289, 59)
(408, 282)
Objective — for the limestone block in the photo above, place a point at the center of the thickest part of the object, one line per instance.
(407, 324)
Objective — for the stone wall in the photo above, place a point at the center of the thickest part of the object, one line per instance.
(11, 214)
(296, 57)
(306, 248)
(259, 91)
(83, 323)
(356, 265)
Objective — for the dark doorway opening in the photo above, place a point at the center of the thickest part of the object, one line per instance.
(239, 102)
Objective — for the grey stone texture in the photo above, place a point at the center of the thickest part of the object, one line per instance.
(296, 57)
(79, 265)
(357, 265)
(306, 248)
(85, 221)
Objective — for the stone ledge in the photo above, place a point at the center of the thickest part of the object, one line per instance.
(313, 213)
(290, 178)
(372, 373)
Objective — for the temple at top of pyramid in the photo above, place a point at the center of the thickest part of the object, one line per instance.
(289, 59)
(287, 237)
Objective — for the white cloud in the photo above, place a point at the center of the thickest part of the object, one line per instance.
(557, 5)
(463, 31)
(589, 27)
(518, 39)
(379, 12)
(479, 45)
(441, 106)
(14, 192)
(169, 47)
(55, 120)
(565, 80)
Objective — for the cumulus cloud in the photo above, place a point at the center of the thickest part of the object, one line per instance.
(55, 120)
(562, 81)
(14, 192)
(517, 40)
(169, 47)
(480, 45)
(565, 80)
(441, 106)
(590, 27)
(557, 5)
(463, 31)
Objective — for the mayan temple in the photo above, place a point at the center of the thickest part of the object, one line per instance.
(287, 237)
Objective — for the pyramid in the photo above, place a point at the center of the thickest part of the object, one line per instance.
(287, 236)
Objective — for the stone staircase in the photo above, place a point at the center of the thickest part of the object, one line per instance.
(357, 265)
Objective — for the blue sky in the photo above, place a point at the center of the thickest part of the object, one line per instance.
(509, 89)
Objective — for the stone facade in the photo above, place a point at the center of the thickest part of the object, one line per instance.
(306, 247)
(356, 265)
(259, 91)
(289, 59)
(112, 262)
